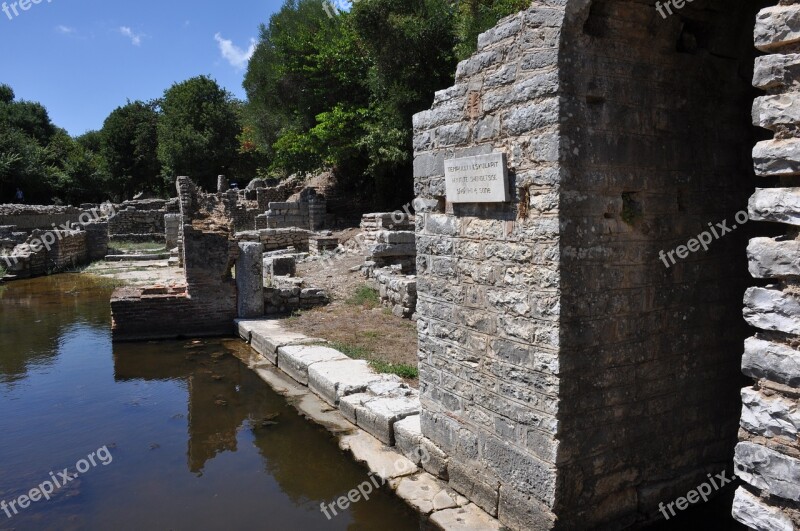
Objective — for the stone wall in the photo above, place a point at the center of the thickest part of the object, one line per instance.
(141, 220)
(207, 304)
(307, 212)
(63, 250)
(274, 239)
(573, 380)
(397, 291)
(29, 217)
(768, 456)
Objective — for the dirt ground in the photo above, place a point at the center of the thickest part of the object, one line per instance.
(356, 326)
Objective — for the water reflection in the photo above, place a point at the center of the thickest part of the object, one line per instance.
(198, 440)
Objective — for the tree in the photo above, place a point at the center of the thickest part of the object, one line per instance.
(129, 147)
(197, 132)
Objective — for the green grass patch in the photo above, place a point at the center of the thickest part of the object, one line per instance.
(402, 370)
(357, 352)
(365, 296)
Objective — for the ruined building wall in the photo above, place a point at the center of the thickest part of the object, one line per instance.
(573, 378)
(768, 456)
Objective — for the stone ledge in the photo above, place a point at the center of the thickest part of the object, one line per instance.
(330, 382)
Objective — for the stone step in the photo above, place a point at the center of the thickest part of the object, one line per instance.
(773, 257)
(781, 205)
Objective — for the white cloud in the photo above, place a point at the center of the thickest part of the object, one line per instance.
(136, 39)
(66, 30)
(236, 56)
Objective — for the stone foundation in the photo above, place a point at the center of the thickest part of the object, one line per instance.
(397, 291)
(274, 239)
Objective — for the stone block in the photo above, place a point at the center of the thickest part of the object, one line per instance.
(334, 380)
(768, 470)
(780, 157)
(780, 205)
(769, 416)
(407, 437)
(296, 360)
(772, 309)
(772, 111)
(774, 361)
(377, 415)
(250, 280)
(773, 257)
(756, 514)
(777, 26)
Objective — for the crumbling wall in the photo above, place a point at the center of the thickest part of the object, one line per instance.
(389, 240)
(141, 220)
(573, 379)
(307, 211)
(274, 239)
(29, 217)
(768, 456)
(206, 304)
(397, 291)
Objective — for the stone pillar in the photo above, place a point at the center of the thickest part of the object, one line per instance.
(96, 240)
(172, 227)
(222, 184)
(768, 454)
(250, 280)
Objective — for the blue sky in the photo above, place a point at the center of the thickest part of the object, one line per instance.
(84, 58)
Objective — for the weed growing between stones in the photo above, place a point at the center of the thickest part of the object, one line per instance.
(365, 296)
(402, 370)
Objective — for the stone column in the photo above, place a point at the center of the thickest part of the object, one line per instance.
(768, 454)
(222, 184)
(250, 280)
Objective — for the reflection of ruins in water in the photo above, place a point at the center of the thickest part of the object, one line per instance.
(224, 398)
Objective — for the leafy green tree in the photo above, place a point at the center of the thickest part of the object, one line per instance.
(129, 148)
(197, 132)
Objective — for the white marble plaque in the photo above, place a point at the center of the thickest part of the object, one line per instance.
(481, 179)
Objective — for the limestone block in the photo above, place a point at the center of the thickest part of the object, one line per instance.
(250, 280)
(407, 437)
(774, 361)
(777, 157)
(768, 470)
(772, 111)
(776, 71)
(420, 490)
(382, 461)
(756, 514)
(377, 415)
(769, 416)
(296, 360)
(777, 26)
(772, 309)
(773, 257)
(337, 379)
(781, 205)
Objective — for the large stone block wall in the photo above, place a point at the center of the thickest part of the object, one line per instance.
(572, 378)
(768, 456)
(29, 217)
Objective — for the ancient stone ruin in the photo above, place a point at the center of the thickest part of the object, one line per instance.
(573, 376)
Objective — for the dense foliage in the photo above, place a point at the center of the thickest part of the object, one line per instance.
(323, 92)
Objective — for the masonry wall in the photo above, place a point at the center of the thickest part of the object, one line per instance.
(573, 379)
(768, 456)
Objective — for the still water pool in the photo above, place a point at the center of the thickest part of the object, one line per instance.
(194, 439)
